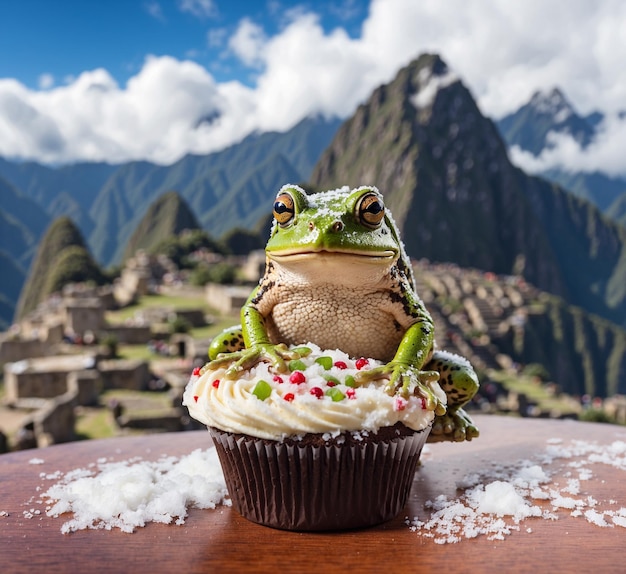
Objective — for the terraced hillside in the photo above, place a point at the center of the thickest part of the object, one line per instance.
(502, 322)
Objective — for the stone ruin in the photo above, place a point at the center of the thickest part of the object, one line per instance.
(53, 364)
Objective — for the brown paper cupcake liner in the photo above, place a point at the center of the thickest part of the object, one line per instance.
(311, 484)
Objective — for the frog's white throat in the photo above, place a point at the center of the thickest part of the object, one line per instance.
(353, 268)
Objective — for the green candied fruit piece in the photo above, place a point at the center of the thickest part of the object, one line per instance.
(326, 362)
(262, 390)
(349, 381)
(302, 351)
(335, 394)
(296, 365)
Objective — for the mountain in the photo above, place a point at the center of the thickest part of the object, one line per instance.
(602, 190)
(13, 277)
(65, 190)
(497, 320)
(251, 198)
(529, 129)
(530, 125)
(22, 222)
(617, 210)
(583, 352)
(226, 190)
(169, 215)
(61, 257)
(242, 177)
(446, 176)
(108, 201)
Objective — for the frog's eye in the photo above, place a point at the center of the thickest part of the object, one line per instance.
(370, 210)
(284, 209)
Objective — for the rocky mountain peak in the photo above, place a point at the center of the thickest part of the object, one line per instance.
(167, 216)
(531, 126)
(552, 103)
(445, 174)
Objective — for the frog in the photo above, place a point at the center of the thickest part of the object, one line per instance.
(337, 275)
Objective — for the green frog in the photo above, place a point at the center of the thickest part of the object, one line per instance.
(337, 275)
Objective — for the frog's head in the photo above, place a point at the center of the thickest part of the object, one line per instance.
(347, 229)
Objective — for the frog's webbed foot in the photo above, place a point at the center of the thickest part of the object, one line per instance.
(239, 361)
(406, 380)
(456, 425)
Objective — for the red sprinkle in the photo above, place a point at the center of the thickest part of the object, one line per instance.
(350, 393)
(399, 404)
(360, 363)
(278, 379)
(297, 378)
(340, 365)
(316, 391)
(423, 403)
(195, 398)
(216, 383)
(289, 397)
(196, 372)
(331, 383)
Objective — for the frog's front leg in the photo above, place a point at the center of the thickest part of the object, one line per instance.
(405, 372)
(458, 380)
(242, 347)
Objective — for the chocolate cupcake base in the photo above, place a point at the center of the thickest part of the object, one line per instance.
(310, 484)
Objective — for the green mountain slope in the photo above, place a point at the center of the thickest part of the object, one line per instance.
(61, 255)
(169, 215)
(225, 190)
(207, 183)
(23, 222)
(617, 210)
(81, 181)
(488, 318)
(445, 174)
(13, 277)
(251, 199)
(584, 353)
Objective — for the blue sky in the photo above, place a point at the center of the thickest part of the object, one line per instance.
(119, 80)
(56, 40)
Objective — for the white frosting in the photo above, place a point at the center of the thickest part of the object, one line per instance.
(293, 409)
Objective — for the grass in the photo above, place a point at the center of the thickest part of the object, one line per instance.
(538, 393)
(143, 402)
(135, 352)
(94, 423)
(158, 301)
(98, 422)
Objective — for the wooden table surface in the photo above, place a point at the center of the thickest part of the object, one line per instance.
(221, 541)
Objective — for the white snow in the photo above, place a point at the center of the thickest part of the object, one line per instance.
(494, 503)
(129, 494)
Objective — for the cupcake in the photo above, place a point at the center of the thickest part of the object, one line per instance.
(309, 450)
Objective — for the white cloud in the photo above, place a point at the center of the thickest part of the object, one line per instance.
(199, 8)
(46, 81)
(248, 43)
(605, 154)
(154, 9)
(216, 37)
(502, 51)
(92, 118)
(345, 10)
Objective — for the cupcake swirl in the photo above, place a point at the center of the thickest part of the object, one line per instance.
(317, 396)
